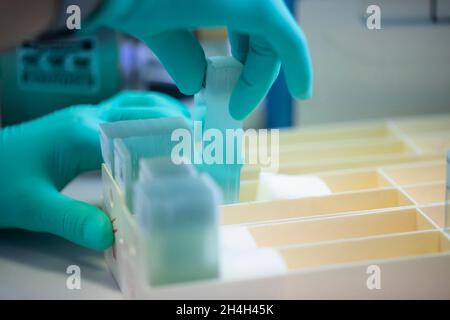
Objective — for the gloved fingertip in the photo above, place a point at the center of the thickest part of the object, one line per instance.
(237, 114)
(192, 82)
(188, 90)
(183, 57)
(306, 94)
(98, 232)
(300, 82)
(239, 110)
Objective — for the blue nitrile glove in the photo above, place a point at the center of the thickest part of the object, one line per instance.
(263, 34)
(38, 158)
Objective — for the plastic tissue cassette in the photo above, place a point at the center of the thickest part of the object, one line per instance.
(180, 227)
(164, 231)
(170, 233)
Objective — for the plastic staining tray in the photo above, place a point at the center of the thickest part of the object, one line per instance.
(384, 210)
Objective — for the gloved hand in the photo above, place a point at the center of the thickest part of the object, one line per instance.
(263, 34)
(38, 158)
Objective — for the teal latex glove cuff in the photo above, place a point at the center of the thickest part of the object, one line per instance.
(38, 158)
(263, 35)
